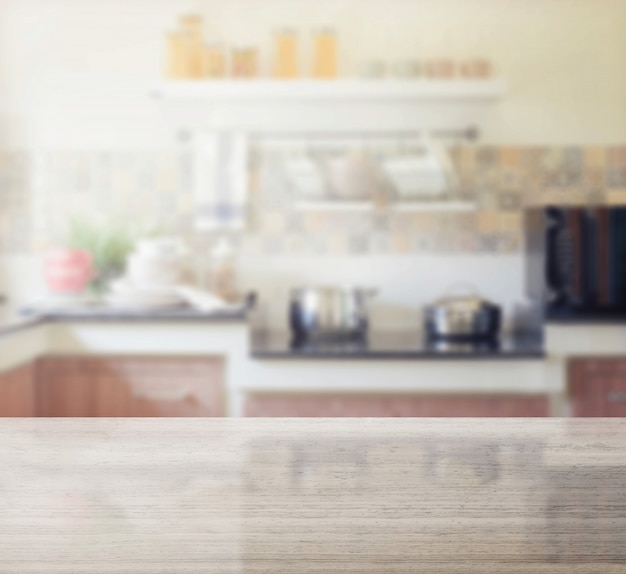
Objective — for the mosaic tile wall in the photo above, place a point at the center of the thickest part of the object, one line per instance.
(39, 190)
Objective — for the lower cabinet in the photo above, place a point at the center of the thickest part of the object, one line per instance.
(17, 392)
(130, 387)
(597, 387)
(396, 406)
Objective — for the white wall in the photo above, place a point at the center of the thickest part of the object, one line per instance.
(76, 73)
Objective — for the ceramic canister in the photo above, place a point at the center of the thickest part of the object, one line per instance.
(68, 270)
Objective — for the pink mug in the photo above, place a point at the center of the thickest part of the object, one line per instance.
(68, 270)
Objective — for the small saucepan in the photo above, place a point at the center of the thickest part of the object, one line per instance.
(329, 312)
(463, 315)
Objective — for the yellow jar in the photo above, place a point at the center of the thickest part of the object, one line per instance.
(214, 61)
(193, 27)
(178, 49)
(325, 54)
(244, 62)
(285, 54)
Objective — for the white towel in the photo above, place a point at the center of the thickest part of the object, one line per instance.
(221, 180)
(206, 301)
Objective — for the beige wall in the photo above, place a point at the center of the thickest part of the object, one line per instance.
(74, 71)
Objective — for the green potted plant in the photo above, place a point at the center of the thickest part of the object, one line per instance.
(109, 245)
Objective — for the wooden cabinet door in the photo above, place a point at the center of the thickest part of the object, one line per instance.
(17, 394)
(65, 387)
(395, 406)
(160, 387)
(130, 387)
(598, 387)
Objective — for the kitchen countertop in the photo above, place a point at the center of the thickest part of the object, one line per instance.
(407, 345)
(328, 495)
(13, 321)
(573, 321)
(104, 314)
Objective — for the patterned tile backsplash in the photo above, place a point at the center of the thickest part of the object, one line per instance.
(39, 190)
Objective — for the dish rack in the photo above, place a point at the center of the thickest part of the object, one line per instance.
(406, 171)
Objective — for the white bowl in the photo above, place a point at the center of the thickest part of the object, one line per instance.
(161, 248)
(144, 271)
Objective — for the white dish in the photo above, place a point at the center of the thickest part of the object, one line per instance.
(145, 299)
(125, 287)
(164, 248)
(118, 303)
(155, 272)
(205, 300)
(305, 176)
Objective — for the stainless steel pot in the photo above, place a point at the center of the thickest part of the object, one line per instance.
(463, 316)
(329, 312)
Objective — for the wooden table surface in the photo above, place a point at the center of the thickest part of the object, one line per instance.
(312, 496)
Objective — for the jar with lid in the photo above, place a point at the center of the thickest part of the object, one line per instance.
(178, 60)
(325, 54)
(222, 272)
(244, 62)
(285, 54)
(192, 27)
(214, 61)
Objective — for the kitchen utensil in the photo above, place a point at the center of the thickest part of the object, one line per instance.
(329, 312)
(305, 176)
(462, 314)
(425, 172)
(353, 176)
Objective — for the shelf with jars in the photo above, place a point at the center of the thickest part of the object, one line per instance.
(220, 95)
(302, 68)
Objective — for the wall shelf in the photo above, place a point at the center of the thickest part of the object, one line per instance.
(328, 106)
(400, 206)
(439, 205)
(336, 90)
(333, 205)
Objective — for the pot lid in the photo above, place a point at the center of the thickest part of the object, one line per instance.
(462, 296)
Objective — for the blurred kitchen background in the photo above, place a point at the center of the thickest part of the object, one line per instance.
(81, 135)
(389, 145)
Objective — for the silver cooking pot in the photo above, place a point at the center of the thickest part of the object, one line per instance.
(329, 312)
(463, 315)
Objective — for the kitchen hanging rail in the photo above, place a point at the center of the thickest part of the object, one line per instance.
(441, 205)
(368, 138)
